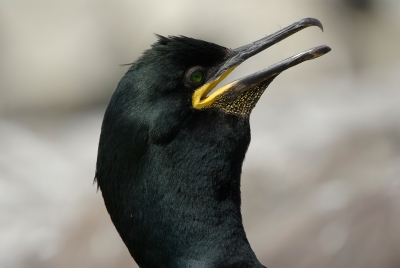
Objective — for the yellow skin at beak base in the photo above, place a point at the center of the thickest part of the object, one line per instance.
(201, 92)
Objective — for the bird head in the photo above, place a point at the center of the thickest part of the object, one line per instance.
(175, 77)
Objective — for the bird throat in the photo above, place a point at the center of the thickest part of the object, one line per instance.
(240, 103)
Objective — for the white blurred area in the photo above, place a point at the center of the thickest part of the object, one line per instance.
(321, 180)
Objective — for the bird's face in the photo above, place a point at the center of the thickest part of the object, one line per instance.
(190, 69)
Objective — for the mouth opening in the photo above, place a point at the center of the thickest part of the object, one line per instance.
(227, 95)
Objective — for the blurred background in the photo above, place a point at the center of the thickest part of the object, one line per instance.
(321, 179)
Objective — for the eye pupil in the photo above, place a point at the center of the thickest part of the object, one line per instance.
(196, 76)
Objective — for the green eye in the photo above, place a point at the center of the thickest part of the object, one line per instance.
(196, 76)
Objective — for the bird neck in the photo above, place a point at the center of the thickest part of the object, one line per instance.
(178, 204)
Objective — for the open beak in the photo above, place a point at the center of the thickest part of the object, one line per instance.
(241, 96)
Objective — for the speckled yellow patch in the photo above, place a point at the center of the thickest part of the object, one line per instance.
(243, 103)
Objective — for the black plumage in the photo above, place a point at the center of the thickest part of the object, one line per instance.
(169, 163)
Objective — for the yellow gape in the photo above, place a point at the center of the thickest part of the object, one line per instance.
(200, 99)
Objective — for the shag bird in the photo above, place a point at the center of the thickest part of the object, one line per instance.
(171, 152)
